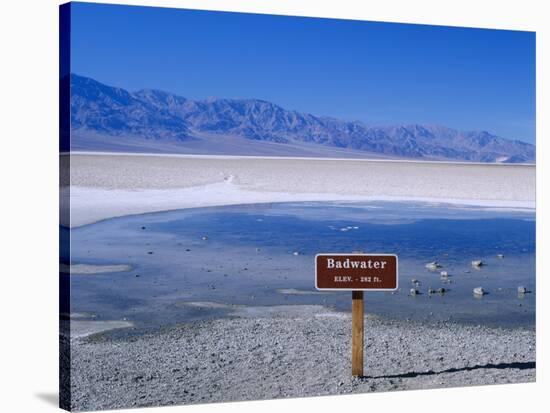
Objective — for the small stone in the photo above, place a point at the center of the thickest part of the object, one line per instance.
(414, 291)
(432, 266)
(431, 290)
(522, 290)
(500, 255)
(477, 263)
(444, 274)
(441, 290)
(142, 227)
(479, 291)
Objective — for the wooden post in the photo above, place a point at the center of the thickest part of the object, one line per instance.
(357, 334)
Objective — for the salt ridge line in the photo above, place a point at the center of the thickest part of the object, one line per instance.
(239, 157)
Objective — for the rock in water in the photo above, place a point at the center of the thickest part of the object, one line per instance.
(444, 274)
(500, 255)
(522, 290)
(432, 266)
(414, 291)
(479, 292)
(477, 263)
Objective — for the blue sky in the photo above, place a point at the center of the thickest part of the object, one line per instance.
(379, 73)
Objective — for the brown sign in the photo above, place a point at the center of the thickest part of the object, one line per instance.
(356, 272)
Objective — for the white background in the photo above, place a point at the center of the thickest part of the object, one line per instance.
(29, 188)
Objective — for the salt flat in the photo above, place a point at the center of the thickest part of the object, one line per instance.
(106, 185)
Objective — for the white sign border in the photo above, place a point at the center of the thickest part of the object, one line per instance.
(359, 255)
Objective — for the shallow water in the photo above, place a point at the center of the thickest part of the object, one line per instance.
(247, 258)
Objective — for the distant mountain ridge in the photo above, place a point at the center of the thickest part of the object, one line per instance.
(148, 114)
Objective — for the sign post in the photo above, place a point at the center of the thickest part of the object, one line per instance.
(356, 273)
(357, 334)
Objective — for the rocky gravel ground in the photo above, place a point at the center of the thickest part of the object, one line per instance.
(282, 353)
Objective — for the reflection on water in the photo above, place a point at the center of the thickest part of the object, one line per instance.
(263, 255)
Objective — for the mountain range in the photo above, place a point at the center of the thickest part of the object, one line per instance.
(111, 118)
